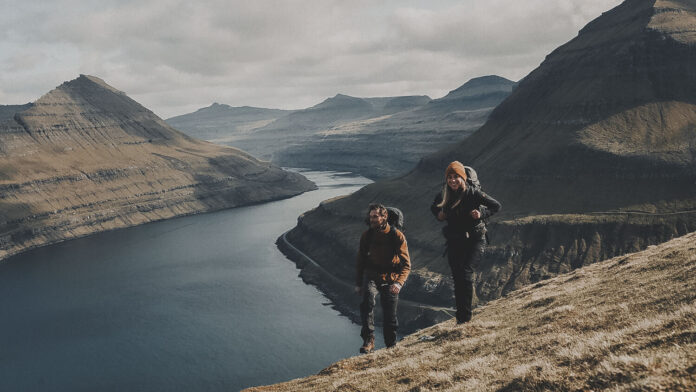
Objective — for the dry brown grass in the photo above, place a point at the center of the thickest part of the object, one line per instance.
(628, 323)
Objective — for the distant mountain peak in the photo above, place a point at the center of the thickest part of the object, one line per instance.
(89, 81)
(480, 85)
(488, 79)
(341, 100)
(90, 93)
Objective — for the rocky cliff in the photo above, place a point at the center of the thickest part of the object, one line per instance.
(86, 158)
(376, 137)
(592, 155)
(628, 323)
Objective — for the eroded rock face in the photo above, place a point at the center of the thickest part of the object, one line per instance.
(86, 158)
(607, 123)
(522, 251)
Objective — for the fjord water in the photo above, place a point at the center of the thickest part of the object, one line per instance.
(200, 303)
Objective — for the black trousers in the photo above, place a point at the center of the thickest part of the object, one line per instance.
(367, 310)
(464, 256)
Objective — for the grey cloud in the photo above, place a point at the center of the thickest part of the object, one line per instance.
(177, 55)
(495, 27)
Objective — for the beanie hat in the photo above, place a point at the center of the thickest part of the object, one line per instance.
(457, 168)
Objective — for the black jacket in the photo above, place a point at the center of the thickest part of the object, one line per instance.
(459, 218)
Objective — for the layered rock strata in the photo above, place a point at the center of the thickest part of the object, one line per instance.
(86, 158)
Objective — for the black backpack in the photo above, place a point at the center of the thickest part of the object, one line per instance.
(473, 182)
(395, 217)
(472, 178)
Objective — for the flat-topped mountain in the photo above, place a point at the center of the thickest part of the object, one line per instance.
(592, 155)
(86, 158)
(391, 144)
(332, 111)
(219, 122)
(377, 137)
(478, 93)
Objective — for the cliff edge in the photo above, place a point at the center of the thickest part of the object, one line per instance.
(628, 323)
(85, 158)
(593, 155)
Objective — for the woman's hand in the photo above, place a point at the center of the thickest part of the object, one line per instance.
(476, 214)
(441, 216)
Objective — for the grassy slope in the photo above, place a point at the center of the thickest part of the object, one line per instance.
(628, 323)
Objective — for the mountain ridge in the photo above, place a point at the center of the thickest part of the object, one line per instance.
(592, 155)
(86, 158)
(378, 137)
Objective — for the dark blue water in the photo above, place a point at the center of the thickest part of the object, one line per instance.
(202, 303)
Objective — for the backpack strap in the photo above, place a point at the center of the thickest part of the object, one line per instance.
(396, 247)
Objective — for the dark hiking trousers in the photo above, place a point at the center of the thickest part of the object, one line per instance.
(463, 257)
(367, 310)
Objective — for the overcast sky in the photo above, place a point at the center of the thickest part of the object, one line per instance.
(177, 56)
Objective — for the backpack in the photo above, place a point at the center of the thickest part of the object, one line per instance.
(473, 182)
(395, 217)
(472, 178)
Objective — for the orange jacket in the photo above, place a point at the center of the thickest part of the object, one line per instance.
(382, 261)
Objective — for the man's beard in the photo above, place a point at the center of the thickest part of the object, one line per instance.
(377, 226)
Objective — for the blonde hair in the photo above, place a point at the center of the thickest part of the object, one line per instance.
(448, 195)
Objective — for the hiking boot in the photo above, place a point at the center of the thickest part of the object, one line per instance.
(464, 319)
(389, 337)
(368, 345)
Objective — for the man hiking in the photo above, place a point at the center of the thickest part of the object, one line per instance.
(383, 264)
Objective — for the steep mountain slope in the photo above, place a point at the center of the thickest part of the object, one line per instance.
(616, 102)
(628, 323)
(376, 137)
(332, 111)
(592, 155)
(391, 144)
(85, 158)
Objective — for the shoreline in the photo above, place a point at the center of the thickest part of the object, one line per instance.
(413, 316)
(18, 250)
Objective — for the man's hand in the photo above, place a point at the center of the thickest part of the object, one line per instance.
(441, 216)
(358, 290)
(476, 214)
(394, 289)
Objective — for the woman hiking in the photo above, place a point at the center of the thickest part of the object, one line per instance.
(464, 208)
